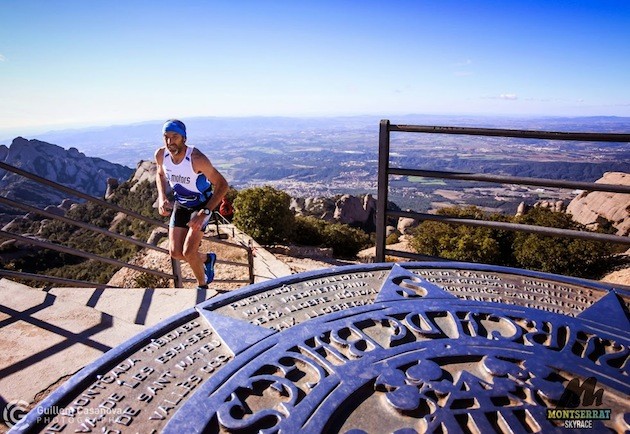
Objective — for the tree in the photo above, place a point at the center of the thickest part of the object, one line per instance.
(570, 256)
(463, 243)
(264, 214)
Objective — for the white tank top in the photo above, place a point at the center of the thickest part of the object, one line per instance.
(191, 189)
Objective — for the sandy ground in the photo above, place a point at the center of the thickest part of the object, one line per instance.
(232, 264)
(621, 277)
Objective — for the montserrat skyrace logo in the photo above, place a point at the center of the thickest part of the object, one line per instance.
(576, 395)
(178, 179)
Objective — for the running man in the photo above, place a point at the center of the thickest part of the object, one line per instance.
(198, 189)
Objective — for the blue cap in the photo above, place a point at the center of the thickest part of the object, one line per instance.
(175, 126)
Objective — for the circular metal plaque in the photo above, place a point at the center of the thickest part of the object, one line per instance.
(396, 348)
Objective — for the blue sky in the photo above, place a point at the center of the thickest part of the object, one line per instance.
(71, 63)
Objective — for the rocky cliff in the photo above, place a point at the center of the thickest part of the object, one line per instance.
(70, 168)
(593, 209)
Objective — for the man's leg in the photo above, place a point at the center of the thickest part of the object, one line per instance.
(176, 238)
(192, 255)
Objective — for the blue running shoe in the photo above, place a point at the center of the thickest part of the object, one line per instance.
(211, 258)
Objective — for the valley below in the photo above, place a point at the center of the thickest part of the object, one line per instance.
(326, 157)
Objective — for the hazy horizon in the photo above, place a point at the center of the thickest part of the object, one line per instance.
(36, 132)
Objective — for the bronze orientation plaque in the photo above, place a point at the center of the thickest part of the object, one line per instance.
(392, 348)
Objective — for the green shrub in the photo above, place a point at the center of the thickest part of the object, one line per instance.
(92, 213)
(140, 200)
(345, 241)
(568, 256)
(308, 231)
(264, 214)
(463, 243)
(393, 238)
(571, 256)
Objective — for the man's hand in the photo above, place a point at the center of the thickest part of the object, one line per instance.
(165, 207)
(196, 221)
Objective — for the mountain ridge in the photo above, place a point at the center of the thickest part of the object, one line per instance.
(69, 167)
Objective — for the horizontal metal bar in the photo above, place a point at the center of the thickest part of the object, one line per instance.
(222, 261)
(53, 279)
(578, 185)
(214, 239)
(410, 255)
(80, 194)
(220, 280)
(523, 134)
(515, 227)
(386, 128)
(80, 224)
(75, 252)
(238, 264)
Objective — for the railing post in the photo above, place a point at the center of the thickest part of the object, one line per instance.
(383, 177)
(177, 274)
(250, 261)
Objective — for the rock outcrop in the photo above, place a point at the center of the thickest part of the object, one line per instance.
(112, 184)
(406, 224)
(593, 209)
(356, 211)
(349, 210)
(145, 171)
(320, 207)
(70, 168)
(555, 206)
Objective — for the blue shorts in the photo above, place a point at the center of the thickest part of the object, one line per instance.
(180, 216)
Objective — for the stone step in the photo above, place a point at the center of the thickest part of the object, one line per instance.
(47, 336)
(46, 339)
(141, 306)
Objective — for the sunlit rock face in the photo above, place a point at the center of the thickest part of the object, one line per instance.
(594, 208)
(70, 168)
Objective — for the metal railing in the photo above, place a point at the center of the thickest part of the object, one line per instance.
(384, 171)
(176, 275)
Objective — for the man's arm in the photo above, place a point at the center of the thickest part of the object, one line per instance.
(201, 164)
(164, 206)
